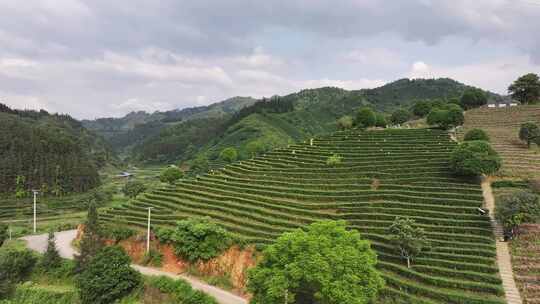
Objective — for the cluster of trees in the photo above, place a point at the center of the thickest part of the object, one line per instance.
(365, 117)
(526, 89)
(475, 156)
(272, 105)
(52, 153)
(515, 209)
(447, 117)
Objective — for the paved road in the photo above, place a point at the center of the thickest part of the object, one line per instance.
(63, 244)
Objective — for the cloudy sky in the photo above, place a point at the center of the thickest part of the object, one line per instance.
(100, 58)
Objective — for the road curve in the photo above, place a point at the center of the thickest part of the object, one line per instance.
(63, 244)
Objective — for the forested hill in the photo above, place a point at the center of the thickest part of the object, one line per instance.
(315, 111)
(293, 118)
(50, 152)
(135, 127)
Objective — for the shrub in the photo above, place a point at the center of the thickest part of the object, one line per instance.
(517, 208)
(255, 147)
(229, 155)
(170, 175)
(534, 184)
(334, 160)
(365, 118)
(345, 122)
(153, 258)
(325, 263)
(133, 188)
(473, 98)
(4, 234)
(400, 116)
(15, 266)
(108, 277)
(117, 233)
(380, 120)
(180, 290)
(473, 158)
(409, 239)
(529, 133)
(476, 134)
(196, 239)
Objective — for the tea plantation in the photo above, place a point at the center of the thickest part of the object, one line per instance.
(502, 126)
(383, 174)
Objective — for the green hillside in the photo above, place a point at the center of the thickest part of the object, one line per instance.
(316, 111)
(51, 152)
(384, 174)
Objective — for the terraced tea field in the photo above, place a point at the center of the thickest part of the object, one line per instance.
(502, 125)
(383, 174)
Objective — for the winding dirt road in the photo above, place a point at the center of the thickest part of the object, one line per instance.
(63, 244)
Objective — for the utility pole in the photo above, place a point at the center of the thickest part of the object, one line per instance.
(148, 232)
(35, 201)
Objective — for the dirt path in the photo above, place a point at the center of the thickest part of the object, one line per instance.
(503, 254)
(63, 243)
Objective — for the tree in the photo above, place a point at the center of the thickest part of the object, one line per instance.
(200, 164)
(473, 98)
(170, 175)
(526, 89)
(529, 132)
(400, 116)
(421, 108)
(108, 277)
(91, 239)
(133, 188)
(15, 265)
(51, 258)
(380, 120)
(473, 158)
(255, 147)
(448, 117)
(476, 134)
(323, 263)
(365, 118)
(196, 239)
(345, 122)
(409, 239)
(517, 208)
(229, 155)
(3, 233)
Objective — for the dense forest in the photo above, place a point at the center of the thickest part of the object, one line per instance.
(50, 152)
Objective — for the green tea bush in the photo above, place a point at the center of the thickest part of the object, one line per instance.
(196, 239)
(107, 277)
(476, 134)
(180, 290)
(334, 160)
